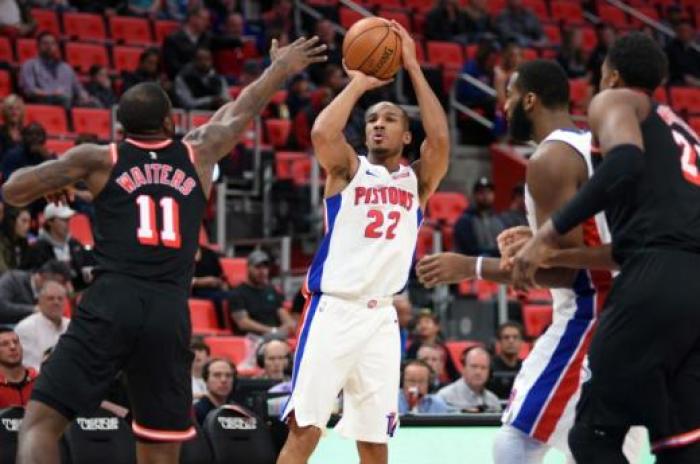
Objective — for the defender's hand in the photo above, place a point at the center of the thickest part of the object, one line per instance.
(299, 54)
(510, 241)
(532, 255)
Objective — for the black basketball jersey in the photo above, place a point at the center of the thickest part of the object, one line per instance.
(149, 213)
(662, 211)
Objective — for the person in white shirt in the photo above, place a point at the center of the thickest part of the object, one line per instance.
(201, 352)
(469, 394)
(41, 330)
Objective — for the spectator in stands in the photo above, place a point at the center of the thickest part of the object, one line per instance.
(434, 356)
(572, 56)
(519, 23)
(511, 57)
(480, 20)
(447, 22)
(469, 393)
(176, 9)
(516, 214)
(148, 70)
(275, 359)
(304, 120)
(19, 290)
(476, 230)
(100, 86)
(15, 19)
(220, 376)
(404, 314)
(506, 364)
(14, 230)
(179, 48)
(30, 152)
(256, 305)
(298, 94)
(42, 329)
(251, 71)
(198, 86)
(209, 281)
(415, 384)
(222, 9)
(605, 35)
(481, 68)
(16, 380)
(144, 8)
(47, 79)
(55, 243)
(108, 7)
(683, 59)
(280, 17)
(201, 352)
(13, 123)
(427, 332)
(327, 35)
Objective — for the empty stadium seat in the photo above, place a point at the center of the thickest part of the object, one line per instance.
(495, 6)
(59, 146)
(648, 11)
(96, 121)
(234, 432)
(203, 317)
(567, 12)
(26, 49)
(685, 99)
(46, 21)
(589, 39)
(578, 91)
(447, 54)
(301, 171)
(230, 347)
(694, 123)
(196, 450)
(277, 131)
(348, 17)
(84, 26)
(130, 30)
(448, 237)
(446, 206)
(455, 349)
(235, 270)
(284, 161)
(81, 230)
(536, 318)
(164, 28)
(612, 15)
(660, 95)
(398, 16)
(538, 295)
(278, 97)
(126, 58)
(553, 34)
(539, 7)
(92, 438)
(530, 54)
(198, 118)
(83, 55)
(5, 83)
(53, 118)
(424, 242)
(6, 50)
(10, 420)
(485, 290)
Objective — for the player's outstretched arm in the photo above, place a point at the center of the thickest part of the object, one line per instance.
(435, 149)
(53, 179)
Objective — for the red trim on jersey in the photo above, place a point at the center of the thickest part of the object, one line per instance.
(163, 435)
(676, 441)
(190, 151)
(113, 153)
(150, 145)
(307, 295)
(602, 280)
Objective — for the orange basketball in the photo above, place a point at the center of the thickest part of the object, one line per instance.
(372, 46)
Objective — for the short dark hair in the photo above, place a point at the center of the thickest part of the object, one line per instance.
(56, 267)
(207, 366)
(510, 324)
(639, 59)
(94, 69)
(404, 113)
(199, 345)
(546, 79)
(143, 108)
(148, 52)
(6, 329)
(417, 362)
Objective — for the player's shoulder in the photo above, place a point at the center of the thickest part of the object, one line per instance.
(554, 161)
(611, 98)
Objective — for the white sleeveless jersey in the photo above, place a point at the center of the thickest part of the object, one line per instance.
(371, 232)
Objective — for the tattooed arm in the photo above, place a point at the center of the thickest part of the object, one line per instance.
(87, 162)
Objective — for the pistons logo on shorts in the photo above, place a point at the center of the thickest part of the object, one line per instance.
(391, 423)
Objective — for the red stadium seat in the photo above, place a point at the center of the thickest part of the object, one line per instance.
(612, 15)
(6, 50)
(203, 317)
(96, 121)
(553, 34)
(26, 49)
(348, 17)
(67, 308)
(538, 295)
(530, 54)
(164, 28)
(496, 6)
(278, 131)
(231, 347)
(694, 124)
(398, 16)
(648, 11)
(536, 319)
(284, 160)
(198, 118)
(84, 26)
(129, 30)
(578, 89)
(566, 11)
(80, 229)
(301, 171)
(5, 83)
(53, 118)
(59, 146)
(46, 21)
(660, 95)
(83, 55)
(447, 54)
(448, 237)
(470, 51)
(424, 244)
(278, 97)
(686, 99)
(393, 4)
(446, 206)
(589, 40)
(485, 290)
(126, 58)
(456, 348)
(539, 7)
(235, 270)
(419, 6)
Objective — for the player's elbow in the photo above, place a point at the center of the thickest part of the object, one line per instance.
(14, 195)
(319, 135)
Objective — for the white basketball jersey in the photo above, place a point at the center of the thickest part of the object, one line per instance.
(371, 232)
(596, 230)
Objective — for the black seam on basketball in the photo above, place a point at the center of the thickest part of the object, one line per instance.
(369, 55)
(358, 36)
(390, 64)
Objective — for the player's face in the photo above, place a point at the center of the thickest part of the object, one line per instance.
(416, 377)
(519, 126)
(510, 341)
(220, 380)
(10, 350)
(476, 370)
(385, 130)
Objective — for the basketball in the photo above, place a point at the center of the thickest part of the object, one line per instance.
(372, 47)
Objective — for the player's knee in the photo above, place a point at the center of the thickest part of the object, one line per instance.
(302, 440)
(374, 453)
(600, 445)
(41, 420)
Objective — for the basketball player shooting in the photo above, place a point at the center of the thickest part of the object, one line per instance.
(150, 192)
(349, 338)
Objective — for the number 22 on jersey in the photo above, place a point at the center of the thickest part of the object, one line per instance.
(147, 234)
(375, 228)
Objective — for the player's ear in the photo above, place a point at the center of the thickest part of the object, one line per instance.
(529, 101)
(615, 79)
(406, 137)
(169, 125)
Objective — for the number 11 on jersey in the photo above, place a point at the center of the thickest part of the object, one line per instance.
(147, 234)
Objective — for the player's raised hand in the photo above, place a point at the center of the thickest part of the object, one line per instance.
(367, 82)
(408, 46)
(444, 268)
(298, 54)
